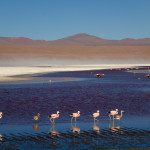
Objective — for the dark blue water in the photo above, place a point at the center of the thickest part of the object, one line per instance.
(20, 101)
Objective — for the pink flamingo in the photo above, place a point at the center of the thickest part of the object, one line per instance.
(113, 112)
(95, 115)
(75, 115)
(54, 116)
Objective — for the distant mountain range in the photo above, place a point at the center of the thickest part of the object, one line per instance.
(75, 40)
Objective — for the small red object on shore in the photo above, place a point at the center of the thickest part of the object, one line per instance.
(148, 75)
(99, 75)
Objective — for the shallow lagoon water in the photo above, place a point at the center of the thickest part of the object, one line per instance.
(20, 101)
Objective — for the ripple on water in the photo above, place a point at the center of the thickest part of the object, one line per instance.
(105, 139)
(117, 89)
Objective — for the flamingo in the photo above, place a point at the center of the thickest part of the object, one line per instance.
(54, 116)
(75, 115)
(113, 112)
(95, 115)
(118, 117)
(1, 115)
(36, 117)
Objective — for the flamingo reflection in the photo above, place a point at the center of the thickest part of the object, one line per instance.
(95, 127)
(1, 138)
(114, 128)
(75, 128)
(36, 127)
(53, 131)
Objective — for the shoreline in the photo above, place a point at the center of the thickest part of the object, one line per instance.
(24, 73)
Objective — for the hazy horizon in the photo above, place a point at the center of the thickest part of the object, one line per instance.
(61, 62)
(51, 20)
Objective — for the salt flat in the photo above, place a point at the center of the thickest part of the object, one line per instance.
(7, 72)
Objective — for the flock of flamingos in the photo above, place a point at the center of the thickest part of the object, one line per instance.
(113, 113)
(52, 117)
(95, 115)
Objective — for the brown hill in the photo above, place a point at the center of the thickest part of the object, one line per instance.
(20, 41)
(75, 40)
(80, 40)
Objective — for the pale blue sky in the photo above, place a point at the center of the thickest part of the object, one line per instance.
(55, 19)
